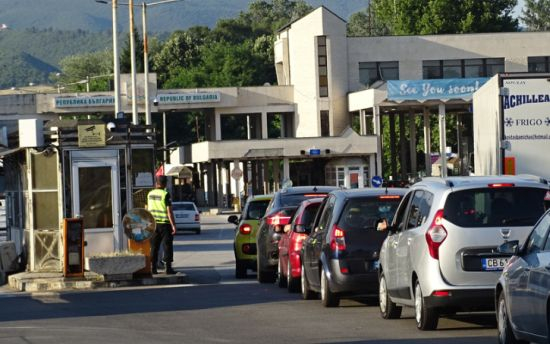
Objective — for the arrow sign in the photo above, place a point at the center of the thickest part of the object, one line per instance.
(376, 181)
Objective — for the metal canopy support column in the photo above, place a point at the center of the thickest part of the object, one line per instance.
(378, 132)
(393, 147)
(442, 140)
(427, 142)
(286, 169)
(362, 122)
(218, 126)
(403, 147)
(276, 175)
(412, 141)
(219, 186)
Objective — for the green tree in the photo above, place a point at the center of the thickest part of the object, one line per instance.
(536, 15)
(76, 70)
(364, 23)
(411, 17)
(125, 63)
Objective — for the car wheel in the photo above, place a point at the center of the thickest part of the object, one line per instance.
(281, 280)
(388, 309)
(426, 318)
(307, 294)
(292, 284)
(240, 269)
(264, 276)
(328, 298)
(505, 332)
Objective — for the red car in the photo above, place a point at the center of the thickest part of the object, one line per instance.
(290, 245)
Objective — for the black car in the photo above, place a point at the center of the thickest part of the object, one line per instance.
(278, 214)
(340, 257)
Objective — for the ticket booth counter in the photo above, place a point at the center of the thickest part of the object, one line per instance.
(82, 170)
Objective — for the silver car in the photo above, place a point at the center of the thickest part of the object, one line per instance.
(187, 216)
(441, 254)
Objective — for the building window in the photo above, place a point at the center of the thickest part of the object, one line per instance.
(538, 64)
(322, 65)
(468, 68)
(370, 72)
(325, 124)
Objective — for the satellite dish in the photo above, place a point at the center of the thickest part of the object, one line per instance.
(139, 224)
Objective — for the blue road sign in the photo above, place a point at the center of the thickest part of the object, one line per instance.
(376, 181)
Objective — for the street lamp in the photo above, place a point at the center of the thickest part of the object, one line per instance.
(144, 6)
(116, 65)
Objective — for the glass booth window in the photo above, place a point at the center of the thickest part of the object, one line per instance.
(143, 167)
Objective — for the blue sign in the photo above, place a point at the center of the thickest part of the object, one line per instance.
(376, 181)
(314, 151)
(401, 90)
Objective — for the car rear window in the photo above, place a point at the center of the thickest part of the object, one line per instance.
(256, 210)
(362, 213)
(309, 215)
(296, 199)
(183, 206)
(493, 207)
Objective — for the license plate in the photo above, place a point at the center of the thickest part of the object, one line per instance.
(181, 216)
(491, 264)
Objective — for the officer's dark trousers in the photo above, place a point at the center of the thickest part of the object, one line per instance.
(163, 234)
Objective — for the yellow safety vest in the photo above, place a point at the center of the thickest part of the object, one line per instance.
(156, 204)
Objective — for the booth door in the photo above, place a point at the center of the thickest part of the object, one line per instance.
(96, 198)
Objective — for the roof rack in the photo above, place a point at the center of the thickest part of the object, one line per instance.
(533, 177)
(441, 180)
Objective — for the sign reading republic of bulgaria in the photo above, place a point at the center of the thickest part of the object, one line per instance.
(72, 102)
(189, 98)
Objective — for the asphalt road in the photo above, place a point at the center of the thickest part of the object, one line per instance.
(215, 308)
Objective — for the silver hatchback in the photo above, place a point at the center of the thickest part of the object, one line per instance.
(441, 254)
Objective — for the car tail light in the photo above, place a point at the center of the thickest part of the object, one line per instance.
(315, 195)
(278, 219)
(501, 185)
(246, 248)
(197, 217)
(245, 229)
(297, 243)
(344, 270)
(337, 239)
(436, 234)
(441, 293)
(389, 197)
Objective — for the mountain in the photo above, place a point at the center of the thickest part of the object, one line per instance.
(41, 32)
(89, 15)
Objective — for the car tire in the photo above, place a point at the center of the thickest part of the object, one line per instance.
(264, 276)
(307, 294)
(328, 298)
(388, 309)
(426, 318)
(281, 280)
(240, 269)
(292, 284)
(505, 332)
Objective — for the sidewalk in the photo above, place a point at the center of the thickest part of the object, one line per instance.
(54, 281)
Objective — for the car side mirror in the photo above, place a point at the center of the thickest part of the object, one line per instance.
(509, 247)
(233, 219)
(286, 229)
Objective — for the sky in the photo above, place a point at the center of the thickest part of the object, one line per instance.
(519, 7)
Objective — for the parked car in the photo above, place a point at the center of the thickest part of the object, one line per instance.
(340, 257)
(522, 293)
(244, 244)
(290, 245)
(187, 216)
(441, 255)
(278, 214)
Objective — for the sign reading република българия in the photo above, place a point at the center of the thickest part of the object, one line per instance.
(84, 101)
(188, 98)
(433, 89)
(526, 124)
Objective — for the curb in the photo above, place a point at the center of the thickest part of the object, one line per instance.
(34, 282)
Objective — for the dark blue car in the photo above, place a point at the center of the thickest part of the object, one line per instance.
(523, 291)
